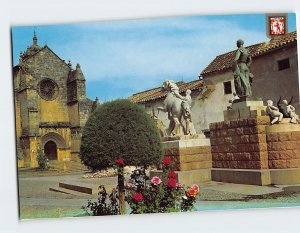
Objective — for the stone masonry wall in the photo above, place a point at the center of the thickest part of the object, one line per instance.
(284, 149)
(239, 144)
(192, 158)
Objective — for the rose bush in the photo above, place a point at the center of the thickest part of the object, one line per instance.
(161, 194)
(158, 195)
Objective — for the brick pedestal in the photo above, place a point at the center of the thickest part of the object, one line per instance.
(247, 149)
(191, 157)
(283, 142)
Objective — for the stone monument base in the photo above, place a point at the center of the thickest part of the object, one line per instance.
(257, 177)
(241, 176)
(191, 158)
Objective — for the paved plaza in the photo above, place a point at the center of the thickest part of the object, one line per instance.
(36, 201)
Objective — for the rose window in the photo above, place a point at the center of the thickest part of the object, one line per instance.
(48, 89)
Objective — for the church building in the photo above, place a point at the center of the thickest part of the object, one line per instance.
(51, 106)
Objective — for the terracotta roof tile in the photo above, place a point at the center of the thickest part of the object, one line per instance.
(225, 61)
(157, 93)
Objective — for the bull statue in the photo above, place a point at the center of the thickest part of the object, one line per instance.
(178, 108)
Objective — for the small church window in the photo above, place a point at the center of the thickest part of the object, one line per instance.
(227, 87)
(284, 64)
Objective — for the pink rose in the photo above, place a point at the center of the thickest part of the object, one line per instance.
(196, 187)
(179, 185)
(156, 180)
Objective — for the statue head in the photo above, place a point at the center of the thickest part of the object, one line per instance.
(188, 92)
(239, 43)
(167, 83)
(285, 102)
(269, 102)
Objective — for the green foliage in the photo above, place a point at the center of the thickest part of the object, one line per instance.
(20, 156)
(120, 130)
(42, 159)
(106, 204)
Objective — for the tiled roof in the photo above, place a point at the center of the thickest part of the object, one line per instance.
(225, 61)
(157, 93)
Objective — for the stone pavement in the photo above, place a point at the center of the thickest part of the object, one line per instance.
(241, 188)
(34, 192)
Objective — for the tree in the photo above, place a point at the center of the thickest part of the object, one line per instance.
(120, 129)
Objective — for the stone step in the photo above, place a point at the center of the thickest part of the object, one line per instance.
(65, 191)
(80, 187)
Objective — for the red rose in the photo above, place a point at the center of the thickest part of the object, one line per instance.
(167, 161)
(172, 183)
(172, 175)
(138, 197)
(119, 162)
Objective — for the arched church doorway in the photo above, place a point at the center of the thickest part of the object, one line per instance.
(50, 150)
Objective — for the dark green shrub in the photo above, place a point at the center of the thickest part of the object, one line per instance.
(42, 159)
(106, 204)
(120, 130)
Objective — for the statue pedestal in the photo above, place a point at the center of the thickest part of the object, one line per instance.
(191, 156)
(245, 108)
(247, 149)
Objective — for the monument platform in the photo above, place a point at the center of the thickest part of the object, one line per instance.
(191, 156)
(246, 149)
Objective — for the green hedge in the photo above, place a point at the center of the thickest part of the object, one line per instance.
(120, 129)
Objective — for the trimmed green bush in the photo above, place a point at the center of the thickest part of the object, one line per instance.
(120, 129)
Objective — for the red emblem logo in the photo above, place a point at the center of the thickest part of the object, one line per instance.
(277, 25)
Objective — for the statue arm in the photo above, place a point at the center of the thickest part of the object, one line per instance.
(274, 108)
(290, 108)
(236, 67)
(237, 56)
(249, 61)
(291, 100)
(279, 101)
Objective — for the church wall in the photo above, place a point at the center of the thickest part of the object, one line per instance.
(46, 65)
(76, 134)
(81, 92)
(84, 111)
(73, 114)
(18, 129)
(53, 111)
(64, 132)
(24, 112)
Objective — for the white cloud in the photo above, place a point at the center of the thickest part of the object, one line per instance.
(144, 53)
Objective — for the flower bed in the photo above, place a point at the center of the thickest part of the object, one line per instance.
(144, 195)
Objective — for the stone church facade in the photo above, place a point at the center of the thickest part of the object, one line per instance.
(51, 106)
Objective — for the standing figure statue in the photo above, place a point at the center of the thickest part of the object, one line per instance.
(186, 107)
(177, 106)
(242, 75)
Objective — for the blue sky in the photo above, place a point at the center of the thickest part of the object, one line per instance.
(120, 58)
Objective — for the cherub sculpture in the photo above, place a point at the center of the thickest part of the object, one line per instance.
(273, 112)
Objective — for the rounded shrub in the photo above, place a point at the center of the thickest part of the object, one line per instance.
(120, 129)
